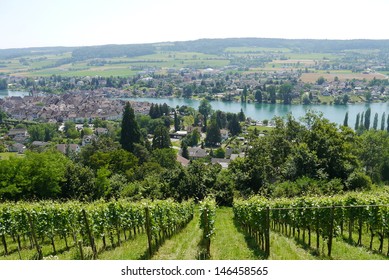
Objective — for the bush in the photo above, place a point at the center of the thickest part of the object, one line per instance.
(358, 181)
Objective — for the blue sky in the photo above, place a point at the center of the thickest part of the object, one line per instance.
(33, 23)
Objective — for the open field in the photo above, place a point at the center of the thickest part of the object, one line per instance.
(312, 77)
(255, 50)
(7, 155)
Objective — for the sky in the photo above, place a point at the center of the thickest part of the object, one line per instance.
(39, 23)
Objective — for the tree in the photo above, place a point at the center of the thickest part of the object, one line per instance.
(213, 137)
(35, 176)
(219, 153)
(185, 152)
(234, 126)
(243, 97)
(345, 122)
(272, 92)
(70, 130)
(241, 116)
(187, 91)
(320, 80)
(367, 119)
(165, 157)
(205, 109)
(258, 96)
(375, 121)
(374, 152)
(161, 138)
(176, 122)
(130, 133)
(3, 115)
(357, 122)
(78, 183)
(383, 121)
(285, 92)
(193, 138)
(221, 119)
(387, 124)
(362, 123)
(345, 99)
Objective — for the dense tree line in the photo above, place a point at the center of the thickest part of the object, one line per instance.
(311, 156)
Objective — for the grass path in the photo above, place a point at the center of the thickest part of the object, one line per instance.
(230, 243)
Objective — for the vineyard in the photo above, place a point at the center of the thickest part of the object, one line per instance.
(257, 228)
(82, 226)
(350, 217)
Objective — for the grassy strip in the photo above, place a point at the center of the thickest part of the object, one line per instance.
(184, 245)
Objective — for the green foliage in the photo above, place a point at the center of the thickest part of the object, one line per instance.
(207, 222)
(161, 138)
(374, 153)
(213, 137)
(43, 132)
(223, 189)
(37, 175)
(192, 139)
(320, 81)
(205, 109)
(185, 152)
(78, 183)
(219, 153)
(130, 133)
(165, 157)
(234, 125)
(358, 181)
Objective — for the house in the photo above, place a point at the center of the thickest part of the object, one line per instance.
(178, 134)
(68, 148)
(222, 161)
(224, 134)
(101, 131)
(184, 162)
(234, 156)
(88, 139)
(16, 148)
(19, 135)
(196, 153)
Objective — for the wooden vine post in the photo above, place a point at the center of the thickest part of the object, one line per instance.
(267, 233)
(206, 236)
(148, 230)
(32, 227)
(331, 231)
(91, 239)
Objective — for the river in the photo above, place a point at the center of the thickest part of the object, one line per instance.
(4, 93)
(335, 113)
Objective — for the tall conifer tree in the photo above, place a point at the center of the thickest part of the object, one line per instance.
(130, 133)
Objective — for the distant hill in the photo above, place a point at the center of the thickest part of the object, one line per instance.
(211, 46)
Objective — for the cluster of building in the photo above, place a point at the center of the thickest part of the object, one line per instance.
(70, 106)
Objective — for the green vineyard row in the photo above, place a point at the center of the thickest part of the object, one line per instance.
(326, 217)
(80, 224)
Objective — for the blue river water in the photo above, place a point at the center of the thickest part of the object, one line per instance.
(335, 113)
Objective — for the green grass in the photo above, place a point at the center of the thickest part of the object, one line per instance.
(7, 155)
(229, 243)
(184, 245)
(255, 50)
(160, 60)
(260, 129)
(313, 56)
